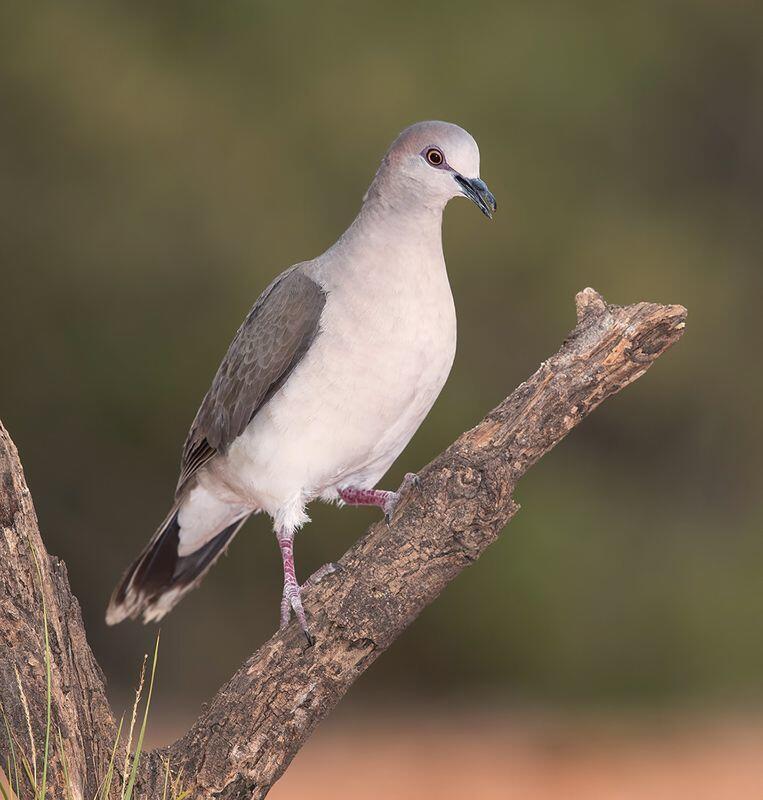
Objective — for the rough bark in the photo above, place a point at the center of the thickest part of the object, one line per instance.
(79, 706)
(249, 733)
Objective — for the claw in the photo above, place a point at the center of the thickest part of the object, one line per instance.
(292, 601)
(410, 481)
(390, 505)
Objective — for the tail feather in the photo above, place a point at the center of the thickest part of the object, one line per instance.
(159, 577)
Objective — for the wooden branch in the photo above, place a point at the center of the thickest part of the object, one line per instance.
(250, 732)
(79, 706)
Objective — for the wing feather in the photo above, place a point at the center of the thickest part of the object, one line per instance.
(273, 338)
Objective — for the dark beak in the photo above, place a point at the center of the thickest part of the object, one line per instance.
(477, 191)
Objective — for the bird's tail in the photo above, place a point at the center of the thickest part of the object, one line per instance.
(164, 572)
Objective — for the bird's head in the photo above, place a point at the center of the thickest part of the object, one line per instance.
(428, 164)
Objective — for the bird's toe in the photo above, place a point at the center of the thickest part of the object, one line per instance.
(285, 611)
(390, 504)
(410, 481)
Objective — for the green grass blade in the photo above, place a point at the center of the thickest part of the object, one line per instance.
(48, 693)
(106, 785)
(166, 778)
(8, 772)
(65, 767)
(173, 784)
(139, 745)
(176, 793)
(48, 699)
(133, 718)
(29, 774)
(28, 718)
(12, 749)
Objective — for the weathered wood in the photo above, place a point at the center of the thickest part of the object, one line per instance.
(252, 729)
(79, 706)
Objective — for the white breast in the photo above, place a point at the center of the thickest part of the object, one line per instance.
(386, 346)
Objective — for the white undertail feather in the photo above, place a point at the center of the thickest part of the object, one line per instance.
(138, 594)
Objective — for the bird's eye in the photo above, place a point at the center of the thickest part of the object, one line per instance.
(435, 157)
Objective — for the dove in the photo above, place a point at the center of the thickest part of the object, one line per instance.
(324, 384)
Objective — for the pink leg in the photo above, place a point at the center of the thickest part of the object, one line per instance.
(382, 498)
(292, 598)
(367, 497)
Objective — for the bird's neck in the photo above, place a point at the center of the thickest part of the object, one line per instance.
(387, 245)
(400, 223)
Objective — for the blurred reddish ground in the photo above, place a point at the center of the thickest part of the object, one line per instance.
(467, 755)
(518, 755)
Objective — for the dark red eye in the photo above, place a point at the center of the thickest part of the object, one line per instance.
(435, 157)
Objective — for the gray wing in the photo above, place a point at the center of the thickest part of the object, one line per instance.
(275, 335)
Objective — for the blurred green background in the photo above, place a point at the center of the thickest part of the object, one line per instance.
(159, 163)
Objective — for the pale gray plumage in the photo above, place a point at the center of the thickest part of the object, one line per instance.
(274, 336)
(330, 375)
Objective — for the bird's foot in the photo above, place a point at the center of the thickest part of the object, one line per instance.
(385, 500)
(292, 596)
(410, 481)
(292, 601)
